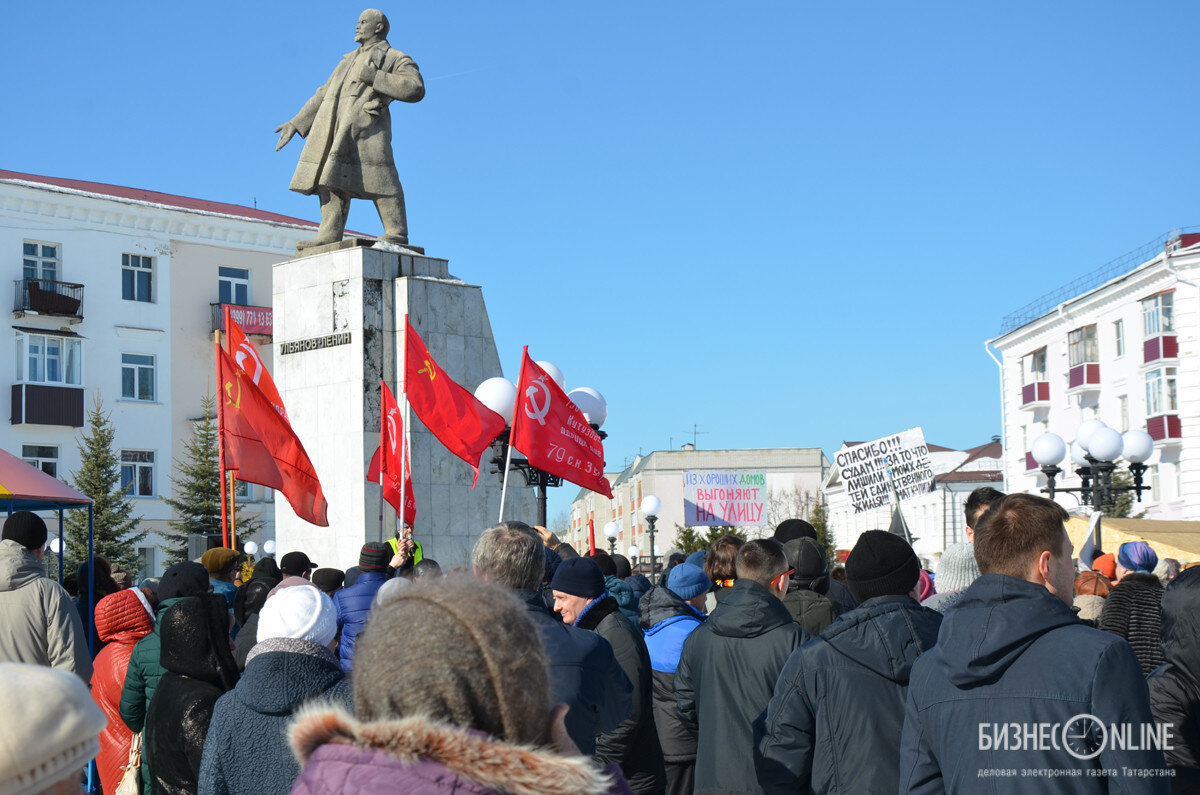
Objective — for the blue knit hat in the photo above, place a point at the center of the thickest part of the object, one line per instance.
(697, 558)
(688, 581)
(578, 577)
(1137, 556)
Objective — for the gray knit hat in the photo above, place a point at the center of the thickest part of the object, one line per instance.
(957, 569)
(491, 665)
(52, 731)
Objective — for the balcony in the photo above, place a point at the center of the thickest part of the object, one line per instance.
(1160, 348)
(48, 297)
(1083, 378)
(44, 404)
(1035, 395)
(1165, 429)
(257, 320)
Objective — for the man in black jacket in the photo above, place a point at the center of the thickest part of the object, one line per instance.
(582, 600)
(834, 722)
(729, 667)
(1175, 687)
(584, 674)
(1018, 683)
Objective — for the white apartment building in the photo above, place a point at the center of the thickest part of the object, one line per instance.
(117, 292)
(1119, 345)
(935, 519)
(792, 484)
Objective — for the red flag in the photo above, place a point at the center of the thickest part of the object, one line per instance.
(464, 425)
(249, 362)
(552, 432)
(261, 447)
(591, 536)
(391, 461)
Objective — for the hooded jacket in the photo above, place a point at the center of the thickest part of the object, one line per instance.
(1175, 687)
(810, 609)
(584, 675)
(626, 600)
(39, 624)
(1131, 610)
(199, 668)
(834, 722)
(353, 605)
(246, 749)
(668, 621)
(633, 744)
(121, 621)
(246, 606)
(419, 757)
(1013, 653)
(725, 678)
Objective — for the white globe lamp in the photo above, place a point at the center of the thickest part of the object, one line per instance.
(268, 547)
(1083, 434)
(251, 548)
(651, 505)
(555, 374)
(1106, 444)
(500, 395)
(1049, 449)
(591, 403)
(1139, 446)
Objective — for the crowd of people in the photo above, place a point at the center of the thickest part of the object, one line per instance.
(754, 666)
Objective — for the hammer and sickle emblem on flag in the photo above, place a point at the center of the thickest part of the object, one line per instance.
(391, 421)
(429, 370)
(245, 352)
(532, 410)
(230, 400)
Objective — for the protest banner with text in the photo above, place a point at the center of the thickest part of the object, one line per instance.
(719, 497)
(877, 472)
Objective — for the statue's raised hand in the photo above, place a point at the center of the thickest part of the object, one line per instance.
(286, 131)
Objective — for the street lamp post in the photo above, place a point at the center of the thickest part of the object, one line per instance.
(1094, 451)
(651, 506)
(500, 395)
(611, 531)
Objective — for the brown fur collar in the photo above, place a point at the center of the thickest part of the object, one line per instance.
(521, 770)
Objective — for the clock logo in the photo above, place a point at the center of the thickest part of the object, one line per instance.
(1084, 736)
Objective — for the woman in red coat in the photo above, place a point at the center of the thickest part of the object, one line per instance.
(122, 619)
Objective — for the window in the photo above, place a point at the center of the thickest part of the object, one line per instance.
(137, 472)
(1081, 345)
(234, 285)
(241, 489)
(1119, 336)
(137, 376)
(42, 456)
(1033, 367)
(137, 278)
(1161, 397)
(45, 359)
(1158, 314)
(1155, 493)
(1123, 411)
(40, 260)
(146, 562)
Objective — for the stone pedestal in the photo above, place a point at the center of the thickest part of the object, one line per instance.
(339, 321)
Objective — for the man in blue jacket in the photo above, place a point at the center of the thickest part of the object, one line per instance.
(1019, 695)
(584, 673)
(834, 722)
(353, 603)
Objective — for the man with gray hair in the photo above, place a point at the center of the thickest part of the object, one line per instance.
(584, 672)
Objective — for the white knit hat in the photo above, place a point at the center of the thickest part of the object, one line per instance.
(50, 730)
(301, 612)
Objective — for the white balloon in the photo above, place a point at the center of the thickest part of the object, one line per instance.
(1106, 444)
(591, 403)
(250, 547)
(651, 505)
(554, 373)
(268, 547)
(1139, 446)
(1083, 434)
(1048, 449)
(500, 395)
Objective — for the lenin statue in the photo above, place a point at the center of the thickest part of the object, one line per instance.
(347, 129)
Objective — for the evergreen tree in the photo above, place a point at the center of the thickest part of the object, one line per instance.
(197, 488)
(1120, 503)
(99, 477)
(688, 540)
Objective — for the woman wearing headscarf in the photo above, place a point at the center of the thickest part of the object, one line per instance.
(1132, 608)
(480, 721)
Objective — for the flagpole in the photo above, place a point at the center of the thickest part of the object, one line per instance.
(220, 431)
(232, 513)
(403, 396)
(382, 426)
(504, 488)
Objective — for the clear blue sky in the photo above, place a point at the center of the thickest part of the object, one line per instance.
(790, 223)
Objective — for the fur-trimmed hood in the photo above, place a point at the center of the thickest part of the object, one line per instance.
(421, 748)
